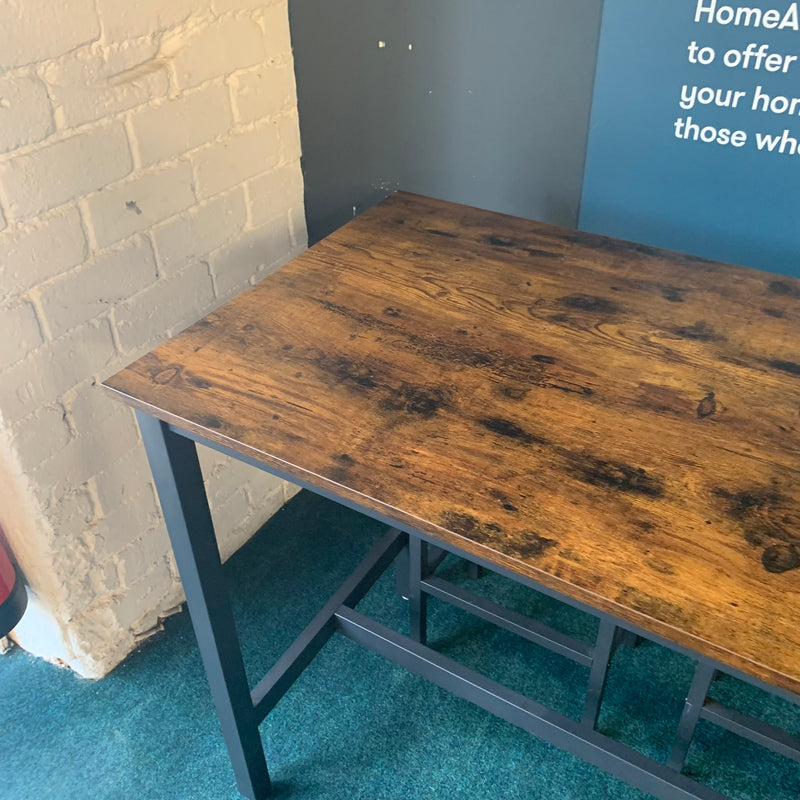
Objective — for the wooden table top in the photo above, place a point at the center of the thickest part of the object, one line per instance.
(617, 422)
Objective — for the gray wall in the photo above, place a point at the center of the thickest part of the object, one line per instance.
(490, 107)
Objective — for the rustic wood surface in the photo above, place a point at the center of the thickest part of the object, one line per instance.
(617, 422)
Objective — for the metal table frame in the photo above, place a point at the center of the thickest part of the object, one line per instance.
(179, 483)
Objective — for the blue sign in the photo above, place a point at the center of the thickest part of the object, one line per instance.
(694, 141)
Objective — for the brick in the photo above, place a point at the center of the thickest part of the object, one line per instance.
(233, 266)
(124, 478)
(192, 236)
(20, 318)
(126, 523)
(290, 490)
(90, 407)
(297, 223)
(273, 193)
(289, 136)
(65, 170)
(228, 517)
(238, 158)
(171, 128)
(144, 595)
(263, 92)
(35, 30)
(218, 49)
(139, 556)
(25, 113)
(38, 437)
(139, 203)
(72, 514)
(94, 287)
(226, 6)
(92, 83)
(83, 457)
(54, 368)
(275, 24)
(123, 21)
(211, 461)
(40, 250)
(226, 480)
(237, 521)
(168, 305)
(260, 487)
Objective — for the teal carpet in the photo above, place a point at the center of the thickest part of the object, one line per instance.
(355, 726)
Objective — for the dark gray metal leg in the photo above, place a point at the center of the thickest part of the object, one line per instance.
(179, 483)
(601, 657)
(417, 599)
(627, 638)
(703, 676)
(474, 571)
(401, 574)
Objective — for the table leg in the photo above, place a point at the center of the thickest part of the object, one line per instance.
(703, 676)
(601, 657)
(179, 483)
(417, 599)
(401, 574)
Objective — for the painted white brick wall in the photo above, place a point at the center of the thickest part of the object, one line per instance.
(149, 168)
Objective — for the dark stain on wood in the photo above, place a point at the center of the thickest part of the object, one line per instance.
(537, 253)
(423, 401)
(707, 406)
(614, 475)
(779, 558)
(496, 241)
(592, 303)
(167, 375)
(470, 526)
(769, 520)
(514, 392)
(784, 289)
(584, 391)
(446, 234)
(346, 370)
(391, 311)
(510, 430)
(774, 312)
(531, 545)
(211, 421)
(673, 294)
(701, 331)
(504, 500)
(200, 383)
(345, 459)
(528, 544)
(785, 366)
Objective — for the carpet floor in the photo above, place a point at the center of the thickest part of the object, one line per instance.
(354, 725)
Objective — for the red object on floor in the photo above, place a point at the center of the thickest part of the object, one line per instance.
(13, 597)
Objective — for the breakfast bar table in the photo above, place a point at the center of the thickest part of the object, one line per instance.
(612, 424)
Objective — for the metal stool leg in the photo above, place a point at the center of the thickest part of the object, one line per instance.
(703, 677)
(417, 599)
(601, 657)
